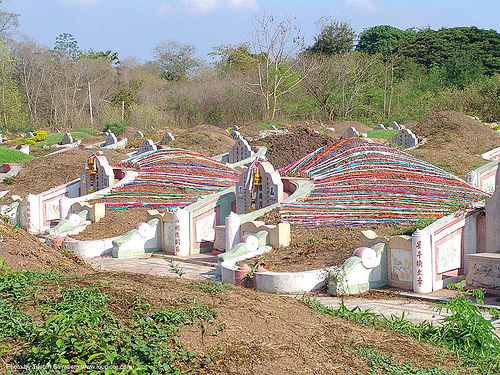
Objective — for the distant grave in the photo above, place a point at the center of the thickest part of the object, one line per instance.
(405, 139)
(241, 150)
(146, 146)
(351, 132)
(167, 138)
(67, 139)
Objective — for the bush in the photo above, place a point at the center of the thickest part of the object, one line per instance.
(117, 127)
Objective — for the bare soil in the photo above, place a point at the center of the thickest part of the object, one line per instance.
(316, 248)
(22, 250)
(284, 149)
(115, 223)
(43, 173)
(264, 333)
(455, 142)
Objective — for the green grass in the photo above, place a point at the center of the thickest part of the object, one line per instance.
(10, 155)
(86, 130)
(384, 134)
(55, 138)
(47, 319)
(464, 331)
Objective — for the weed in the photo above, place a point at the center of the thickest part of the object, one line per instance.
(211, 287)
(175, 267)
(465, 331)
(8, 180)
(75, 327)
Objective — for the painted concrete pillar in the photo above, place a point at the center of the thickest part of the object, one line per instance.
(64, 206)
(492, 220)
(181, 232)
(422, 262)
(233, 235)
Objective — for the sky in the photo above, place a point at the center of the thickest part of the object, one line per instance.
(133, 27)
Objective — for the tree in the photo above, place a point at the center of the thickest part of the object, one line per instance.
(8, 22)
(384, 40)
(234, 58)
(335, 37)
(277, 70)
(12, 115)
(66, 46)
(341, 81)
(175, 60)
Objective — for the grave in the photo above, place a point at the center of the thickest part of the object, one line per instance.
(241, 150)
(146, 146)
(394, 126)
(259, 186)
(110, 138)
(139, 134)
(29, 135)
(167, 138)
(405, 139)
(380, 127)
(351, 132)
(97, 175)
(67, 139)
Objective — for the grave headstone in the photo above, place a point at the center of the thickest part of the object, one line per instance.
(274, 128)
(492, 220)
(67, 139)
(234, 134)
(394, 126)
(110, 138)
(380, 127)
(241, 150)
(146, 146)
(259, 186)
(97, 174)
(405, 139)
(351, 132)
(139, 134)
(167, 138)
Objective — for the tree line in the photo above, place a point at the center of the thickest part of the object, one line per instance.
(382, 74)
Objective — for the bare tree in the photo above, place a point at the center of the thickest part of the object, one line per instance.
(275, 47)
(8, 22)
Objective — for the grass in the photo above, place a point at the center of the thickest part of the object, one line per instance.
(55, 138)
(464, 331)
(10, 155)
(382, 134)
(86, 130)
(75, 329)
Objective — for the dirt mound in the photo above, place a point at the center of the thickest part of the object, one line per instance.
(43, 173)
(284, 149)
(115, 223)
(259, 333)
(23, 251)
(454, 141)
(209, 140)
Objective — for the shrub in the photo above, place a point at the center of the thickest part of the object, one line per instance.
(117, 127)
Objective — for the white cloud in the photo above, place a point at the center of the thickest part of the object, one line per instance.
(164, 9)
(82, 3)
(208, 6)
(366, 6)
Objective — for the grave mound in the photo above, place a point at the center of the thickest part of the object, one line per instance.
(455, 141)
(360, 183)
(43, 173)
(22, 251)
(284, 149)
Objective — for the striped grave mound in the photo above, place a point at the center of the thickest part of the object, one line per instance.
(171, 178)
(358, 182)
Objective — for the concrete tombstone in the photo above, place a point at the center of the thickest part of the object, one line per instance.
(241, 150)
(405, 139)
(67, 139)
(351, 132)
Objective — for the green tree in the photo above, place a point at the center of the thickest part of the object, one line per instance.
(335, 37)
(66, 46)
(382, 39)
(12, 114)
(234, 58)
